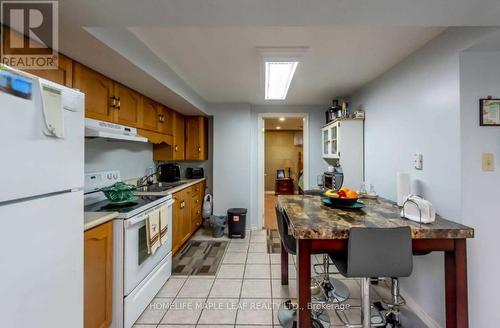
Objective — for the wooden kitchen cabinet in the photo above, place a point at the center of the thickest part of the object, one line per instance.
(127, 105)
(99, 92)
(187, 214)
(98, 276)
(105, 99)
(196, 138)
(62, 75)
(179, 138)
(150, 115)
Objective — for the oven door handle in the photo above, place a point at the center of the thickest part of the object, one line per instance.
(137, 219)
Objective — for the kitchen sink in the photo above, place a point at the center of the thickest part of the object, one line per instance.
(159, 186)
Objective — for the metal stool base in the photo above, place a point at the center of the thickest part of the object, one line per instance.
(338, 291)
(287, 317)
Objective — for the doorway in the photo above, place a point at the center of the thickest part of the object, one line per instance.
(283, 167)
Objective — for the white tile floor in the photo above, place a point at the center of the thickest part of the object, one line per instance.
(245, 293)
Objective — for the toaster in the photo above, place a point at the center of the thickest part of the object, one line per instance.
(417, 209)
(194, 173)
(169, 172)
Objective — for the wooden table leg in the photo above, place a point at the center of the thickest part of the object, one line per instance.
(457, 312)
(461, 281)
(303, 283)
(284, 266)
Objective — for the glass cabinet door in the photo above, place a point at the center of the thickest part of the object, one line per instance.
(326, 142)
(334, 139)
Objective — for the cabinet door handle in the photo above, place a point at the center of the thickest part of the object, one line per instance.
(119, 104)
(113, 102)
(176, 148)
(199, 149)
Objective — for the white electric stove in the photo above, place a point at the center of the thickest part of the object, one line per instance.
(138, 275)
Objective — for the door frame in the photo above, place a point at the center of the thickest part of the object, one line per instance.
(261, 158)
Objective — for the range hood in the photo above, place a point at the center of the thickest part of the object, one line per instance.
(101, 129)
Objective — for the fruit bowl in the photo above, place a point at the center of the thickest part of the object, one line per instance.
(343, 197)
(343, 201)
(119, 192)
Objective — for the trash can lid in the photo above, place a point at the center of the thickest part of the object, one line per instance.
(237, 211)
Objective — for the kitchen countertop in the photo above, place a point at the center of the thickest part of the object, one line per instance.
(93, 219)
(310, 219)
(186, 183)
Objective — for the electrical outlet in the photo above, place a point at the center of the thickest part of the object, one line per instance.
(488, 162)
(418, 161)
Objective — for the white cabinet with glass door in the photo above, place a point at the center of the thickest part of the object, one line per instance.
(342, 140)
(331, 142)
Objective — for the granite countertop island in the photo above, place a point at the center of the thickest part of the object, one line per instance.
(310, 219)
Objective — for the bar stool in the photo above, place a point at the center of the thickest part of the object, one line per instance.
(287, 313)
(327, 289)
(375, 252)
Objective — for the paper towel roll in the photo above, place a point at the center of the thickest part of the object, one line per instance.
(403, 187)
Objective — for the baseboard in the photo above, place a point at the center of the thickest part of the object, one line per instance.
(417, 309)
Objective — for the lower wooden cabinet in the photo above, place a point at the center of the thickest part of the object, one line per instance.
(98, 276)
(187, 214)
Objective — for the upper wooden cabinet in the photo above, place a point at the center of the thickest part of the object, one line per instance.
(127, 105)
(196, 138)
(155, 117)
(99, 93)
(105, 99)
(62, 75)
(98, 276)
(179, 141)
(150, 115)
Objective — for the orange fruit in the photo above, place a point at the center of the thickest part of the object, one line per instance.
(352, 194)
(345, 189)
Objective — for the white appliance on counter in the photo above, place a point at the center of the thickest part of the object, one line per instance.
(41, 202)
(137, 274)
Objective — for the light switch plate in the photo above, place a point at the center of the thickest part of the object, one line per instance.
(418, 161)
(488, 162)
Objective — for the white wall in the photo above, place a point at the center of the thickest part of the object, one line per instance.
(235, 161)
(231, 157)
(131, 158)
(480, 77)
(415, 107)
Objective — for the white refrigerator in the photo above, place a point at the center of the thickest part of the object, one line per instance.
(41, 202)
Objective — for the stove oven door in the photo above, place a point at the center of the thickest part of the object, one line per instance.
(137, 262)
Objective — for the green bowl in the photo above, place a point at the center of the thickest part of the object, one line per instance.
(119, 192)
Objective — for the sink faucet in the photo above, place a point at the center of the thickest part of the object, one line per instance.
(148, 179)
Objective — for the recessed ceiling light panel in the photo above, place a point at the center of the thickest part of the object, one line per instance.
(282, 119)
(279, 75)
(279, 65)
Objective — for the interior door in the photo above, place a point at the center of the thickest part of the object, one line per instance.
(98, 91)
(127, 110)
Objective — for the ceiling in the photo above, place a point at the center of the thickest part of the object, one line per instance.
(189, 53)
(222, 64)
(290, 123)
